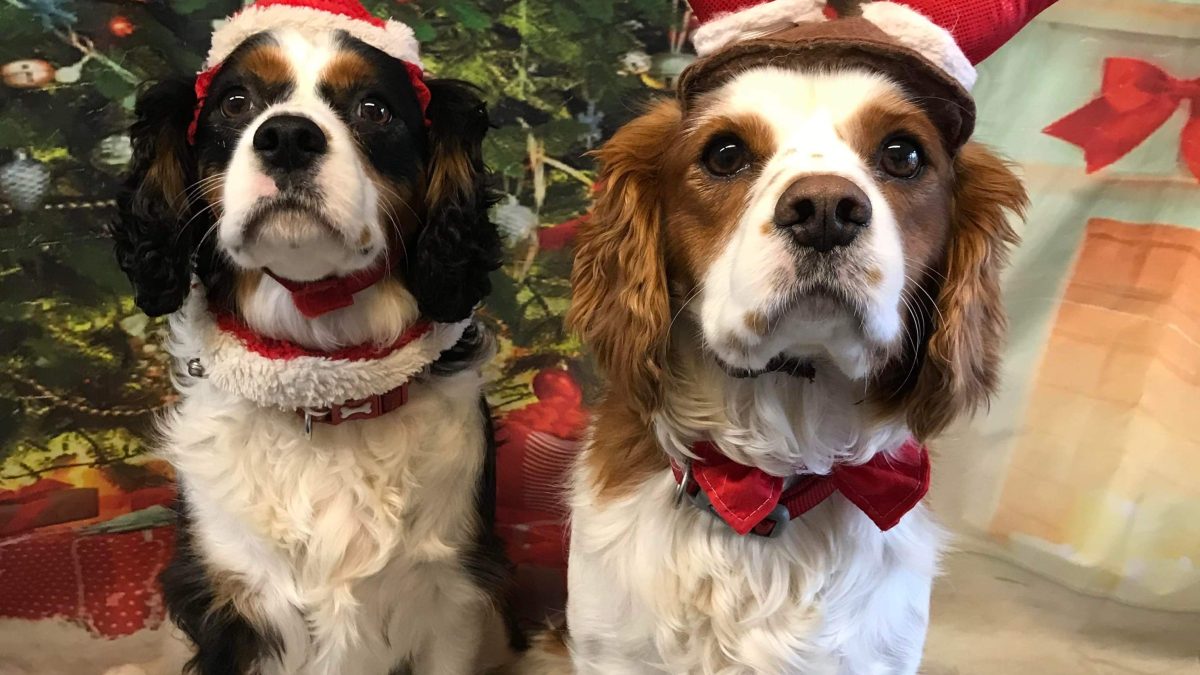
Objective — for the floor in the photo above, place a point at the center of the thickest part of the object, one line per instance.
(990, 618)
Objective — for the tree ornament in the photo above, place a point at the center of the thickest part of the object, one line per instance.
(668, 67)
(552, 383)
(593, 118)
(121, 26)
(515, 220)
(24, 182)
(71, 74)
(27, 74)
(113, 152)
(636, 62)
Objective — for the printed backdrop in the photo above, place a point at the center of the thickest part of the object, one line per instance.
(1084, 471)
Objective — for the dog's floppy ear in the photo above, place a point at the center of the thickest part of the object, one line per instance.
(152, 207)
(458, 246)
(960, 366)
(620, 302)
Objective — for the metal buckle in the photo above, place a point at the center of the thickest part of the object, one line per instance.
(684, 480)
(781, 517)
(309, 415)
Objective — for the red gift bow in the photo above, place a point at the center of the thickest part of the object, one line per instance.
(1136, 98)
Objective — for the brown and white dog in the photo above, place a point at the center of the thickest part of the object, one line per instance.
(314, 214)
(793, 272)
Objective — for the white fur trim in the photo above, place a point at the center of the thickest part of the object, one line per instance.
(908, 26)
(396, 39)
(306, 381)
(913, 30)
(755, 22)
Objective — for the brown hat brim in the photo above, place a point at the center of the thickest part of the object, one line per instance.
(851, 42)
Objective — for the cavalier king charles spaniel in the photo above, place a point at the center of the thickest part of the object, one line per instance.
(790, 281)
(316, 223)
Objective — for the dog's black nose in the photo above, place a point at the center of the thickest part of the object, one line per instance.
(823, 212)
(289, 142)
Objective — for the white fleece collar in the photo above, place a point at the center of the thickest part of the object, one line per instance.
(277, 374)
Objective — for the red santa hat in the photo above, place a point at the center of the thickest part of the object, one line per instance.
(390, 37)
(929, 46)
(952, 34)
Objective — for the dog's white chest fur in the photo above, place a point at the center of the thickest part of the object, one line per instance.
(347, 545)
(658, 589)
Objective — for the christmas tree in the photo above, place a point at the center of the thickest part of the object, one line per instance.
(83, 372)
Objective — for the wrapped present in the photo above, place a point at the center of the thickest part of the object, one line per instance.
(46, 502)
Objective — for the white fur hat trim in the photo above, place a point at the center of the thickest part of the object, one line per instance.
(913, 30)
(753, 22)
(908, 26)
(394, 39)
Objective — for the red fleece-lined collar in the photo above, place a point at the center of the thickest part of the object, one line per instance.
(283, 350)
(751, 500)
(314, 298)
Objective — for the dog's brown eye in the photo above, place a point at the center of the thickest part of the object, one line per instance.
(373, 110)
(901, 157)
(236, 103)
(725, 156)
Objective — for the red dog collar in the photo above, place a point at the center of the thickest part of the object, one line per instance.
(314, 298)
(750, 500)
(358, 409)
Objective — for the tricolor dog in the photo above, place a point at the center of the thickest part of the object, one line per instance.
(312, 212)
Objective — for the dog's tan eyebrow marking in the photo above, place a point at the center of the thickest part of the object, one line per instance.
(347, 70)
(268, 64)
(751, 128)
(871, 124)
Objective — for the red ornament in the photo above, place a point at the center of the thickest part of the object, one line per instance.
(121, 26)
(556, 383)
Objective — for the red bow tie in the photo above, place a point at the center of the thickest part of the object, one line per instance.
(1136, 98)
(314, 298)
(751, 500)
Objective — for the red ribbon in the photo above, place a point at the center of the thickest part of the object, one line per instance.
(1136, 98)
(885, 488)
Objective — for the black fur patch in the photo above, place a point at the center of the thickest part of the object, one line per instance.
(151, 246)
(468, 352)
(459, 246)
(486, 560)
(226, 644)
